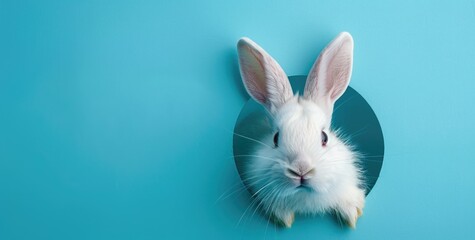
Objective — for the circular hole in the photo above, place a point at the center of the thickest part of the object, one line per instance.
(352, 115)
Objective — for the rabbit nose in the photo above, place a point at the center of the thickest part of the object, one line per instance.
(299, 174)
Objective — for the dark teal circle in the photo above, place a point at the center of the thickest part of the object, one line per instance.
(352, 115)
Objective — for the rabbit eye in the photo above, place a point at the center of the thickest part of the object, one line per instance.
(276, 139)
(324, 138)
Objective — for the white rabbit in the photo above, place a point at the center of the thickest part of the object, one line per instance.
(302, 167)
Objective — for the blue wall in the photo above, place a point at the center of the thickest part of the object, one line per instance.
(116, 116)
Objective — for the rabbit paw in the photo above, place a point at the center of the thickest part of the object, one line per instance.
(351, 209)
(283, 218)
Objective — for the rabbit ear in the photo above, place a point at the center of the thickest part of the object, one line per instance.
(330, 75)
(262, 76)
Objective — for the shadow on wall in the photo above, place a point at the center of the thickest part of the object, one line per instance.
(232, 65)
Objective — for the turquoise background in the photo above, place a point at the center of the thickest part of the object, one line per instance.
(116, 116)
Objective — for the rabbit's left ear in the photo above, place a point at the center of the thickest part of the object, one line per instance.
(331, 73)
(262, 76)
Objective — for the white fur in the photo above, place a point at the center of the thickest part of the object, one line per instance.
(333, 182)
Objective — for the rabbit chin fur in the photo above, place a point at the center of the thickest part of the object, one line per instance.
(335, 184)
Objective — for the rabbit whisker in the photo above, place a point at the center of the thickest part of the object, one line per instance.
(251, 139)
(343, 103)
(255, 199)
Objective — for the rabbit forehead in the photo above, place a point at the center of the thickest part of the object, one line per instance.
(299, 113)
(300, 123)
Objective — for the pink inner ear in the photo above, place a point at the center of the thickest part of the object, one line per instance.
(331, 72)
(252, 71)
(257, 87)
(339, 75)
(263, 78)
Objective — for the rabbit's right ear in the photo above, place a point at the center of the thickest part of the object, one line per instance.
(262, 76)
(331, 73)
